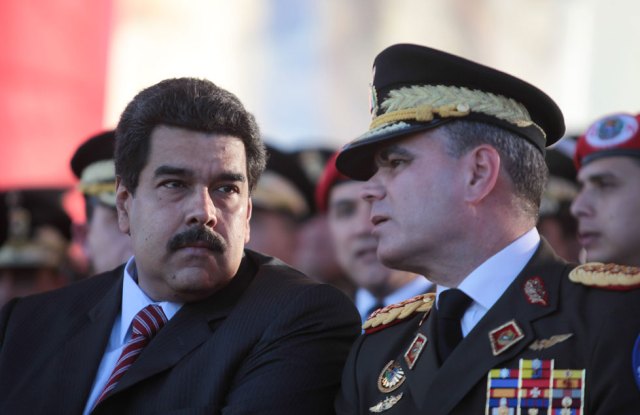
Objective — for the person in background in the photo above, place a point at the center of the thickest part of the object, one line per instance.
(34, 255)
(101, 240)
(193, 322)
(454, 168)
(607, 158)
(355, 246)
(314, 256)
(279, 206)
(555, 222)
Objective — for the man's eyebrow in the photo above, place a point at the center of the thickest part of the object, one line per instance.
(597, 177)
(172, 171)
(232, 177)
(228, 176)
(384, 153)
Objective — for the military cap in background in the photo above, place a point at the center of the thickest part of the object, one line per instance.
(416, 88)
(313, 160)
(561, 187)
(93, 165)
(329, 178)
(38, 228)
(284, 186)
(612, 135)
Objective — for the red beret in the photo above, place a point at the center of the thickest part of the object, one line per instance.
(330, 177)
(613, 135)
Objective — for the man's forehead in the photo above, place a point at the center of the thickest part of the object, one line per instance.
(614, 166)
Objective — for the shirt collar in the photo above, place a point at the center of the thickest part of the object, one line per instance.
(134, 300)
(499, 271)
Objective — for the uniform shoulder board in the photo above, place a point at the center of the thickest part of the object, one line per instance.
(395, 313)
(606, 276)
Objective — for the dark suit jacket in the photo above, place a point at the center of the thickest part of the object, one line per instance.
(603, 325)
(271, 342)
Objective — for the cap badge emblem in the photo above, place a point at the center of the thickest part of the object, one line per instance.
(612, 131)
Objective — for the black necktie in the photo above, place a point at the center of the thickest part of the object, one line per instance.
(451, 307)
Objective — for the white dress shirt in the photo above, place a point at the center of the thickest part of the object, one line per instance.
(133, 300)
(486, 284)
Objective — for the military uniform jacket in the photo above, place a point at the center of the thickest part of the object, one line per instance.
(271, 342)
(542, 317)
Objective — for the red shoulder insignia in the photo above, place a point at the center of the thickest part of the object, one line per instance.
(606, 276)
(396, 313)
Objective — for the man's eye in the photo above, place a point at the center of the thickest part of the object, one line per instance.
(229, 189)
(172, 184)
(395, 162)
(344, 211)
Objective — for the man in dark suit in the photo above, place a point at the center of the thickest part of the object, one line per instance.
(454, 169)
(192, 323)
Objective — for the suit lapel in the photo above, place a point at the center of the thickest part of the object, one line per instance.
(81, 354)
(189, 328)
(470, 362)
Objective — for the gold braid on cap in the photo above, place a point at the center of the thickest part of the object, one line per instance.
(422, 103)
(96, 189)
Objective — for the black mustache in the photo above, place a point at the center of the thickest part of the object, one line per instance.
(211, 240)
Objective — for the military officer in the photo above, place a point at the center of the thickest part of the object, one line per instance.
(608, 159)
(454, 169)
(102, 242)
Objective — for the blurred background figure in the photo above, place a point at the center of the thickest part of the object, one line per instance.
(355, 246)
(102, 242)
(281, 202)
(315, 255)
(608, 161)
(34, 253)
(555, 222)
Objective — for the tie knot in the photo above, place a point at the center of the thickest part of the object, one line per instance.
(453, 303)
(148, 321)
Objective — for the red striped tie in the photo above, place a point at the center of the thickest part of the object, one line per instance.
(146, 324)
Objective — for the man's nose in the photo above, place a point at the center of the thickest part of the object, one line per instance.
(372, 190)
(202, 210)
(581, 205)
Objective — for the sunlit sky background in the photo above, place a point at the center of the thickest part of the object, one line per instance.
(302, 67)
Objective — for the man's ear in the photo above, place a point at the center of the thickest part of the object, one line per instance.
(247, 235)
(483, 168)
(123, 206)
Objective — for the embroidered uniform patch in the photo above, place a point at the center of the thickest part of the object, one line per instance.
(542, 344)
(414, 350)
(535, 291)
(505, 336)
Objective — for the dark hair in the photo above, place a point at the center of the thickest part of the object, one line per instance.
(522, 161)
(190, 103)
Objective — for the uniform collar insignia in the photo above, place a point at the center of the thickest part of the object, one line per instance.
(535, 291)
(505, 336)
